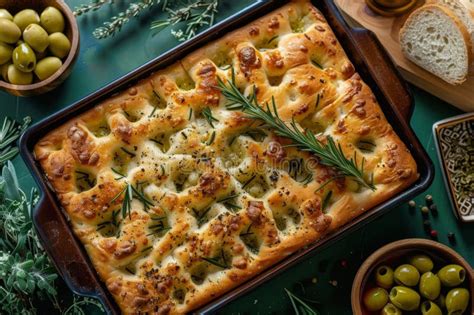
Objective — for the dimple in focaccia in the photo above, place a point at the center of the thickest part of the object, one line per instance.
(215, 197)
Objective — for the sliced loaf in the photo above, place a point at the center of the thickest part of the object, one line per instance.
(461, 12)
(436, 40)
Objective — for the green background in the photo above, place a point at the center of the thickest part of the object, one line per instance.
(101, 62)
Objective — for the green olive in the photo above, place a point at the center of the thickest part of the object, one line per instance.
(452, 275)
(9, 32)
(404, 298)
(4, 14)
(441, 301)
(26, 17)
(24, 58)
(384, 277)
(430, 308)
(47, 67)
(407, 275)
(390, 309)
(430, 285)
(422, 262)
(457, 301)
(52, 20)
(4, 71)
(35, 36)
(375, 299)
(16, 76)
(59, 45)
(5, 53)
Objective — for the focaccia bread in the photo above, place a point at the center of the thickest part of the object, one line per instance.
(177, 199)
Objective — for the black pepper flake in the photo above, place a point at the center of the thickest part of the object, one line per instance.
(427, 225)
(323, 265)
(452, 237)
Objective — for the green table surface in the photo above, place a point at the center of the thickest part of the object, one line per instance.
(101, 62)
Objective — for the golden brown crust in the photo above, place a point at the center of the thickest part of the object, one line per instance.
(229, 201)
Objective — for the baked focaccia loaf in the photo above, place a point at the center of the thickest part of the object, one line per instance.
(177, 199)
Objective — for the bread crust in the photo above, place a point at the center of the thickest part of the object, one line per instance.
(232, 201)
(462, 28)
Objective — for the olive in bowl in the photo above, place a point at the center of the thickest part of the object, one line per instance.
(420, 277)
(45, 50)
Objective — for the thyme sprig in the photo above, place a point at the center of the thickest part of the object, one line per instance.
(9, 133)
(329, 153)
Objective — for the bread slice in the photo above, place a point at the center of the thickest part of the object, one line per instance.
(461, 12)
(469, 4)
(436, 40)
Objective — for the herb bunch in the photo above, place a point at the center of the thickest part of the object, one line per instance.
(193, 15)
(9, 133)
(27, 277)
(329, 153)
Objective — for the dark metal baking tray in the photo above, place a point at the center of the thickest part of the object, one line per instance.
(370, 60)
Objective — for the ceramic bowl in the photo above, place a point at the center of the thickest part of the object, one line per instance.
(396, 253)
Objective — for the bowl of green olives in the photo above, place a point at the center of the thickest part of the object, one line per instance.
(414, 276)
(39, 44)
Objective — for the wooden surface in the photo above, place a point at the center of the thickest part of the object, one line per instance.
(387, 29)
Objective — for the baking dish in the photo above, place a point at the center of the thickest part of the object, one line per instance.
(370, 60)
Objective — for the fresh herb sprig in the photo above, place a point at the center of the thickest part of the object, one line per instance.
(195, 15)
(113, 26)
(129, 192)
(27, 277)
(330, 153)
(93, 6)
(9, 133)
(299, 306)
(207, 113)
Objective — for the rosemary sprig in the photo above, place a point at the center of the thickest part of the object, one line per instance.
(299, 306)
(330, 153)
(218, 261)
(113, 26)
(129, 193)
(212, 138)
(207, 113)
(10, 132)
(200, 217)
(93, 6)
(118, 173)
(195, 14)
(158, 227)
(227, 201)
(326, 200)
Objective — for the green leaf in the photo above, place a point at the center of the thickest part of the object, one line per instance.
(12, 190)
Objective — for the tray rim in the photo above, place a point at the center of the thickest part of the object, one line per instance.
(123, 82)
(437, 127)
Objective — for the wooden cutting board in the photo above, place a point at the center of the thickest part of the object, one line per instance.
(387, 29)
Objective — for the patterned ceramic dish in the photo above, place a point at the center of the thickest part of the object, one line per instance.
(455, 144)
